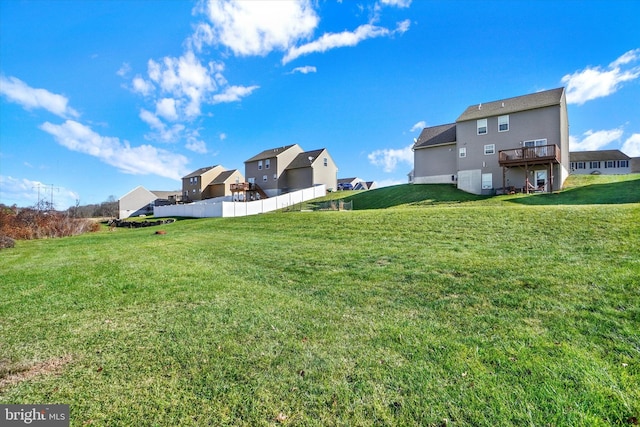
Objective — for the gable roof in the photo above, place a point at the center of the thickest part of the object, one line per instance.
(223, 177)
(166, 194)
(199, 172)
(305, 159)
(532, 101)
(589, 156)
(436, 135)
(270, 153)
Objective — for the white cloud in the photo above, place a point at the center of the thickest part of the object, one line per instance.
(419, 126)
(166, 108)
(597, 82)
(397, 3)
(25, 192)
(255, 27)
(163, 132)
(142, 86)
(185, 78)
(304, 70)
(631, 146)
(234, 93)
(141, 160)
(222, 136)
(19, 92)
(124, 69)
(594, 140)
(389, 158)
(346, 38)
(196, 145)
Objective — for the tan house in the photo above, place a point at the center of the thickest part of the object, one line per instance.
(209, 182)
(284, 169)
(519, 143)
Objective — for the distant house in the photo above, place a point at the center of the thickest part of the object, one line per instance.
(141, 201)
(601, 162)
(289, 168)
(520, 143)
(355, 184)
(209, 182)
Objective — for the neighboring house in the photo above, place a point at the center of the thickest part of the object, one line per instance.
(635, 165)
(221, 184)
(312, 168)
(194, 184)
(348, 183)
(141, 201)
(519, 143)
(209, 182)
(267, 169)
(280, 170)
(605, 162)
(365, 185)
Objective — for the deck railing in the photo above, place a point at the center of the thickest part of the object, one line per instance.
(539, 154)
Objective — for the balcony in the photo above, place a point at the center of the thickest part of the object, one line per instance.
(542, 154)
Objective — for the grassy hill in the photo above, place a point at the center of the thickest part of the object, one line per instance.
(447, 309)
(578, 189)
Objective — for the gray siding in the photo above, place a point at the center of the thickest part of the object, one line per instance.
(436, 164)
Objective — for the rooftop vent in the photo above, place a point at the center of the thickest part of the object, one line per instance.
(479, 106)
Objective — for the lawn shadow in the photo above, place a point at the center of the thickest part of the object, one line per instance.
(594, 194)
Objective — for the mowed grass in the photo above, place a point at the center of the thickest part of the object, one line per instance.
(480, 312)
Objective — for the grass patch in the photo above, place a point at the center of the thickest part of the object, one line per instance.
(474, 312)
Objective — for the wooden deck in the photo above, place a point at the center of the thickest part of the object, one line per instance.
(527, 156)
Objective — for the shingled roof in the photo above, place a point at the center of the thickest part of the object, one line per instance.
(592, 156)
(305, 159)
(223, 176)
(436, 135)
(199, 172)
(270, 153)
(532, 101)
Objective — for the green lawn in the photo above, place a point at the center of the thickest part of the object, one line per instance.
(442, 310)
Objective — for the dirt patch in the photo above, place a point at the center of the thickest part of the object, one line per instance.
(11, 375)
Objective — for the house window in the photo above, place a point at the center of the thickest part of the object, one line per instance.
(487, 181)
(251, 180)
(259, 164)
(275, 176)
(610, 164)
(503, 123)
(489, 149)
(267, 163)
(482, 126)
(580, 165)
(594, 165)
(264, 178)
(326, 161)
(624, 163)
(462, 152)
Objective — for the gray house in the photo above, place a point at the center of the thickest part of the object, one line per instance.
(519, 143)
(141, 201)
(601, 162)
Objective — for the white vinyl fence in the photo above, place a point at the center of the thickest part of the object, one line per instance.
(232, 209)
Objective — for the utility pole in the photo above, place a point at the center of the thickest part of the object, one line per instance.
(51, 187)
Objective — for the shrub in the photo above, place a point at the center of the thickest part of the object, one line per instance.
(6, 242)
(29, 223)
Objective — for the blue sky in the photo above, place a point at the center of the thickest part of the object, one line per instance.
(98, 97)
